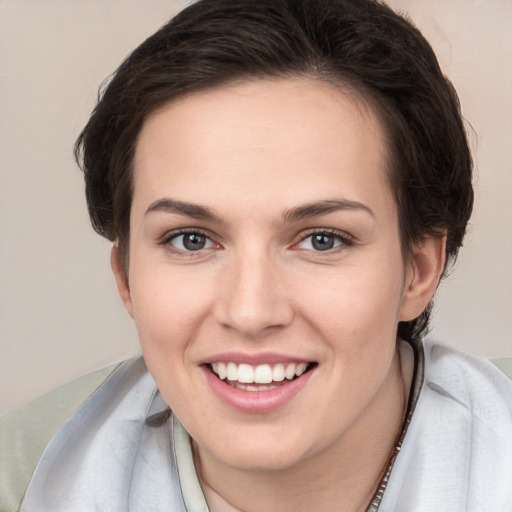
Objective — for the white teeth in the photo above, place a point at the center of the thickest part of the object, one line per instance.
(301, 368)
(260, 374)
(278, 373)
(245, 374)
(248, 387)
(221, 371)
(289, 371)
(263, 374)
(232, 371)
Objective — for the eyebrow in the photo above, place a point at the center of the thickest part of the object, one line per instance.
(192, 210)
(304, 212)
(317, 209)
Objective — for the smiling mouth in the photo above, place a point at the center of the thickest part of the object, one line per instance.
(263, 377)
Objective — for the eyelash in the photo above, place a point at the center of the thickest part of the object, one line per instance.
(342, 237)
(169, 237)
(344, 240)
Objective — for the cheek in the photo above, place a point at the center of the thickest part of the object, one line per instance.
(168, 313)
(168, 307)
(354, 301)
(356, 313)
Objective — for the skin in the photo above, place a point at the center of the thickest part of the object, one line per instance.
(254, 155)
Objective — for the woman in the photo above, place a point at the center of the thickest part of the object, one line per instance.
(284, 184)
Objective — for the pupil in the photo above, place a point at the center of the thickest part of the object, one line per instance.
(194, 242)
(323, 242)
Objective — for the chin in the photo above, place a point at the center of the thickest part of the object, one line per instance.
(260, 452)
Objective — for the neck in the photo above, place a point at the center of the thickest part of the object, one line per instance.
(343, 478)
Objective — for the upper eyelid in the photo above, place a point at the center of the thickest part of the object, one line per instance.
(343, 235)
(173, 233)
(330, 231)
(166, 241)
(345, 240)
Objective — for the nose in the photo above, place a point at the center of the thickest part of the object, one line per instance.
(253, 297)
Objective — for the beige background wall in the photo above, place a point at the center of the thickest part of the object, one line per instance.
(59, 312)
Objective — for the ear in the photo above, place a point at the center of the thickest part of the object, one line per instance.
(422, 276)
(121, 278)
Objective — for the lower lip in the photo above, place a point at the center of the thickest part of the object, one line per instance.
(256, 402)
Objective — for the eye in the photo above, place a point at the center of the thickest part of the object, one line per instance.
(323, 241)
(190, 241)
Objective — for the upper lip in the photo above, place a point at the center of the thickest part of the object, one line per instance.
(254, 359)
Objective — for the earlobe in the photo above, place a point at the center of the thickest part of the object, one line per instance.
(123, 287)
(424, 272)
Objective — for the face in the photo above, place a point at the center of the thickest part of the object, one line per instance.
(266, 278)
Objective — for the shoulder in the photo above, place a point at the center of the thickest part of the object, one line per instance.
(25, 432)
(467, 386)
(115, 450)
(468, 405)
(470, 381)
(457, 453)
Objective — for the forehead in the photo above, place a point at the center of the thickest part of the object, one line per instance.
(293, 138)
